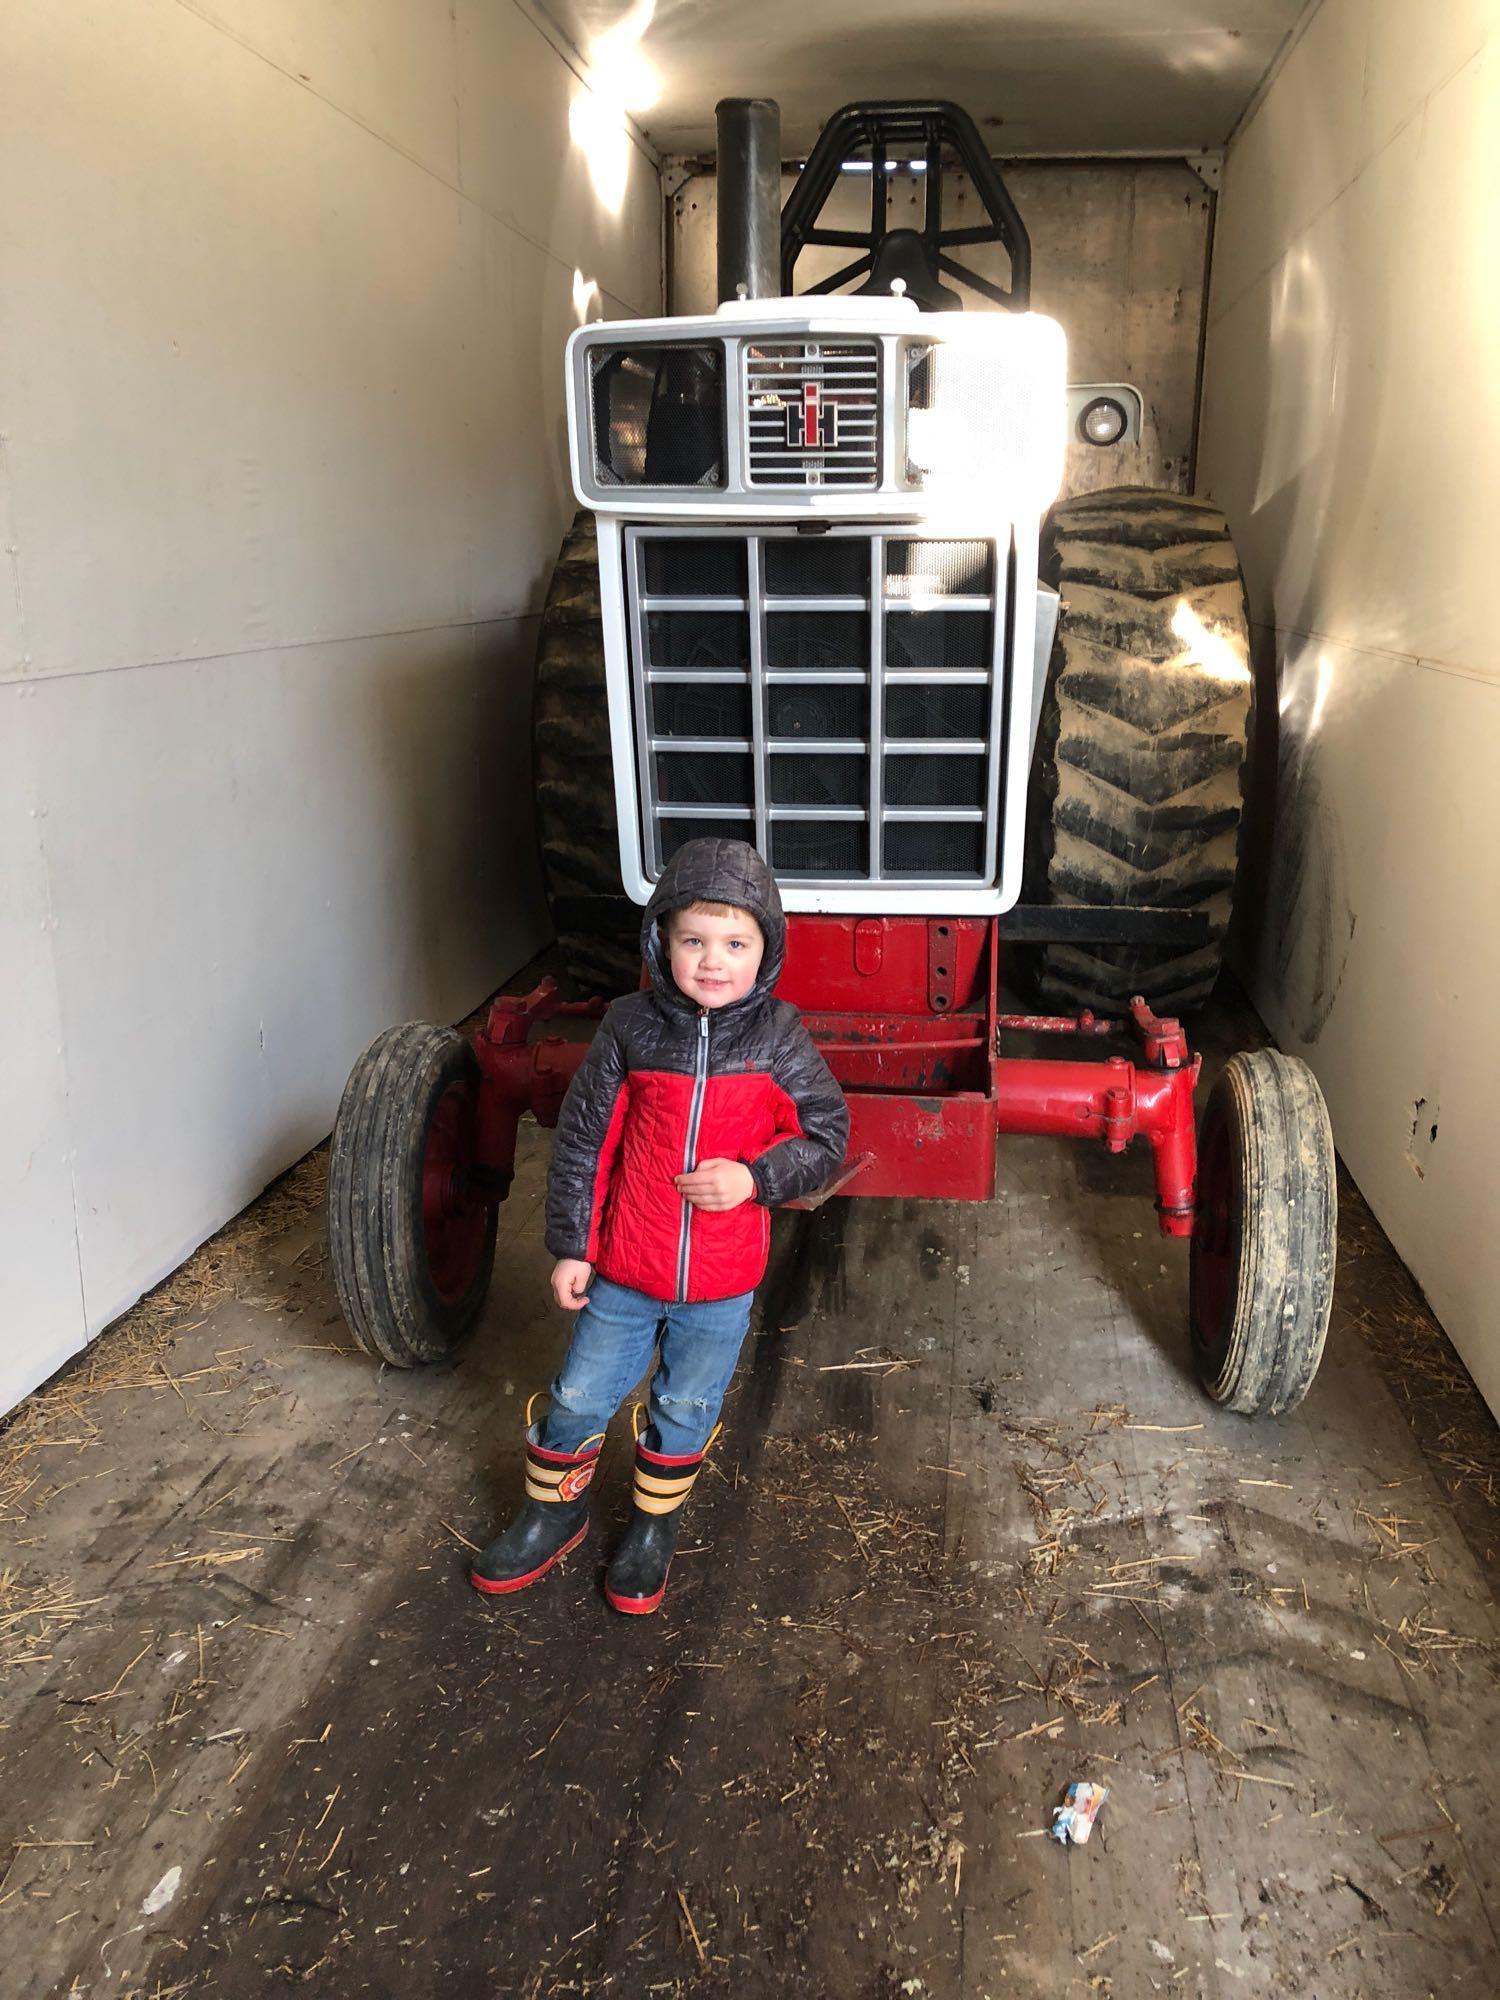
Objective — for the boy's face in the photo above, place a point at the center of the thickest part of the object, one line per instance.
(714, 958)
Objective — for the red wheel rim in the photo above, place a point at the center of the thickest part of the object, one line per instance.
(1214, 1235)
(454, 1222)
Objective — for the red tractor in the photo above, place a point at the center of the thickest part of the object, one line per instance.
(821, 600)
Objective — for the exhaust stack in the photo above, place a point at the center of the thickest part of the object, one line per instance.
(749, 197)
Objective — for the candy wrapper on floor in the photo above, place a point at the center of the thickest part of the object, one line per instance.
(1073, 1820)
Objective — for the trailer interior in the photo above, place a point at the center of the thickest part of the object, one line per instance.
(284, 476)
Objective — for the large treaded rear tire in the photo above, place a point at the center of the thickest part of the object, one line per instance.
(575, 784)
(1265, 1236)
(410, 1285)
(1137, 784)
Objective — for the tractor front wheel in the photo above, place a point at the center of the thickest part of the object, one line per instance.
(1263, 1248)
(411, 1242)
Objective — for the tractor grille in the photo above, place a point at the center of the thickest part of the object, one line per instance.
(814, 412)
(836, 699)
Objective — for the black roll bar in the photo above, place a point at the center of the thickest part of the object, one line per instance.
(880, 125)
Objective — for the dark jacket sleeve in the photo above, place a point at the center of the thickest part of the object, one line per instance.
(585, 1146)
(812, 1112)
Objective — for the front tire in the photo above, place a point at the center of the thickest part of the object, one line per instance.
(411, 1244)
(1264, 1239)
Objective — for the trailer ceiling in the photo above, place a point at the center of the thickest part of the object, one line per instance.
(1081, 77)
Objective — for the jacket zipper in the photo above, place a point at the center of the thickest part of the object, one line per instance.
(690, 1150)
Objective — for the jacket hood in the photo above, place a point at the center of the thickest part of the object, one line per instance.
(715, 871)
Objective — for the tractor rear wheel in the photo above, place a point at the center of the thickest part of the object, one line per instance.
(575, 779)
(1137, 783)
(1264, 1239)
(411, 1243)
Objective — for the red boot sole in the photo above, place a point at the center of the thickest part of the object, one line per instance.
(634, 1607)
(493, 1589)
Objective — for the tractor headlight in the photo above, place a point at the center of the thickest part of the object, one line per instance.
(658, 415)
(1104, 421)
(985, 414)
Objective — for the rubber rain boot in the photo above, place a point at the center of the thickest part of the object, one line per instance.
(636, 1580)
(554, 1516)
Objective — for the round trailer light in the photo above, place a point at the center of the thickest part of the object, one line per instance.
(1103, 421)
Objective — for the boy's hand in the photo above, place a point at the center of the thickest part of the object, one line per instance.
(717, 1184)
(570, 1283)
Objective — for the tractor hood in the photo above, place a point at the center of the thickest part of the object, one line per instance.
(692, 418)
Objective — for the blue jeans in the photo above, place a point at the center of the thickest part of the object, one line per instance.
(614, 1338)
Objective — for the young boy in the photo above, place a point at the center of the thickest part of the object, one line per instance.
(701, 1106)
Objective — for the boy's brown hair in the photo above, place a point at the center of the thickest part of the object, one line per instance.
(701, 908)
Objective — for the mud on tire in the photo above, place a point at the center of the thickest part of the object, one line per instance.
(575, 784)
(1264, 1241)
(1137, 784)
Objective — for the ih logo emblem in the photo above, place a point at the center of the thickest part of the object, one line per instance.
(812, 424)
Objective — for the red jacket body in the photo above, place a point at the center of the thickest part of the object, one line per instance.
(667, 1084)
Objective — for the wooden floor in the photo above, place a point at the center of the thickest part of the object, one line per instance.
(971, 1533)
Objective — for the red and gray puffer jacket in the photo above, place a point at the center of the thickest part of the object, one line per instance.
(667, 1084)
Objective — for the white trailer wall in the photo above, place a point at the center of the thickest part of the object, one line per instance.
(283, 292)
(1351, 430)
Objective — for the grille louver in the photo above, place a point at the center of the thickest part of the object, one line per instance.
(837, 702)
(844, 378)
